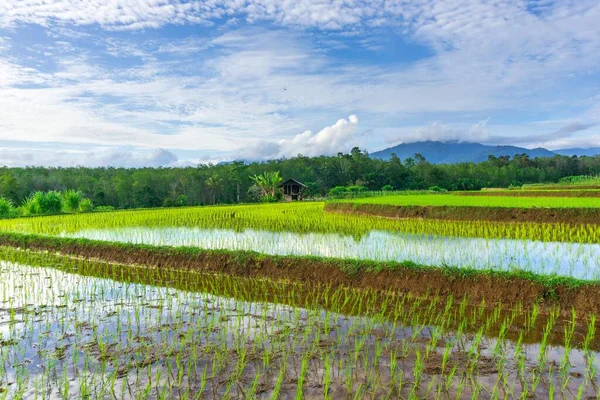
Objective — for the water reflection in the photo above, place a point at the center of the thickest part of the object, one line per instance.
(575, 260)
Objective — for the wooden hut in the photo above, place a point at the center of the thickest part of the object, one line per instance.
(292, 189)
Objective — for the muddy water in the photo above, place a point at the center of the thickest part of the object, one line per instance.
(575, 260)
(66, 335)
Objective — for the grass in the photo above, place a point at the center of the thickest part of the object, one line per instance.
(450, 200)
(533, 193)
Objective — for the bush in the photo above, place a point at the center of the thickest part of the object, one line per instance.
(50, 202)
(387, 188)
(71, 201)
(337, 191)
(104, 208)
(54, 202)
(269, 199)
(86, 205)
(181, 201)
(437, 189)
(7, 209)
(31, 205)
(356, 189)
(254, 193)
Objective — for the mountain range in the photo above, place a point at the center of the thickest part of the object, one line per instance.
(455, 152)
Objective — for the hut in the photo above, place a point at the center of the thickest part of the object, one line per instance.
(292, 189)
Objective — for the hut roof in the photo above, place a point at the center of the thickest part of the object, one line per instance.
(292, 182)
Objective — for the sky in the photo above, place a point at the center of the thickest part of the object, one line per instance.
(172, 82)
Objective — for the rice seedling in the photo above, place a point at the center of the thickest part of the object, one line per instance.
(297, 218)
(452, 200)
(106, 330)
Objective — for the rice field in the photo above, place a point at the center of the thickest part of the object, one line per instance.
(574, 260)
(308, 217)
(451, 200)
(73, 328)
(76, 327)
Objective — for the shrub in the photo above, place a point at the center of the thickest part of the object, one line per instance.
(86, 205)
(254, 193)
(181, 201)
(7, 209)
(71, 201)
(356, 189)
(50, 202)
(436, 189)
(31, 205)
(387, 188)
(337, 191)
(104, 208)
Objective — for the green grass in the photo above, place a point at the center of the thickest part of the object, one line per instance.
(482, 201)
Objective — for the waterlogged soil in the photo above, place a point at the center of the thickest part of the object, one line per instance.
(509, 291)
(574, 260)
(74, 336)
(569, 216)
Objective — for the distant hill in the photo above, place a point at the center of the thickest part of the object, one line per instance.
(456, 152)
(578, 151)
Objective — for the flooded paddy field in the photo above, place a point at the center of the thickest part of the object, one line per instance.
(574, 260)
(80, 329)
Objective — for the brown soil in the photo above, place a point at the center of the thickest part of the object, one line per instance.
(403, 279)
(571, 216)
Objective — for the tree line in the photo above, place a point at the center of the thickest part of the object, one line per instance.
(232, 183)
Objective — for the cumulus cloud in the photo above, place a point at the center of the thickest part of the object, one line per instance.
(336, 138)
(250, 83)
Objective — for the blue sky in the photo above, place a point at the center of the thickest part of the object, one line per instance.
(164, 82)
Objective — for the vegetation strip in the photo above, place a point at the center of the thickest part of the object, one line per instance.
(508, 288)
(355, 302)
(570, 216)
(452, 200)
(532, 193)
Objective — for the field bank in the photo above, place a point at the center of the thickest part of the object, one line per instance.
(507, 288)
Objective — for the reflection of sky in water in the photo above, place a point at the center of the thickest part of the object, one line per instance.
(567, 259)
(41, 308)
(54, 303)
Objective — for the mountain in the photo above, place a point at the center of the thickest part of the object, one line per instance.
(578, 151)
(455, 152)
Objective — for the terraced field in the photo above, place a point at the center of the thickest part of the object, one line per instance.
(304, 300)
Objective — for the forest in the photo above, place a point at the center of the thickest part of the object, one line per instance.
(225, 183)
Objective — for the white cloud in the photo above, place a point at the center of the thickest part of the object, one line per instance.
(436, 131)
(339, 137)
(251, 84)
(68, 157)
(126, 14)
